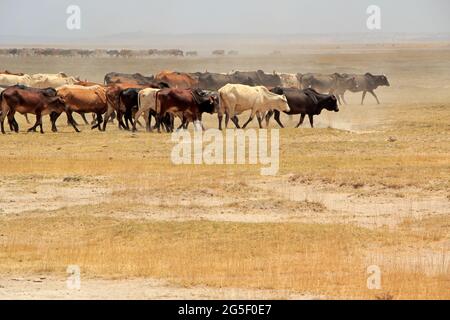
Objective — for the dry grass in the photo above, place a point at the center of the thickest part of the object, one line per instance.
(320, 259)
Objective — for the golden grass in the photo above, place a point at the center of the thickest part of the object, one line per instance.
(319, 259)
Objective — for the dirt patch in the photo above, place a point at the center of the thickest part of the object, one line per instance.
(18, 195)
(351, 208)
(43, 287)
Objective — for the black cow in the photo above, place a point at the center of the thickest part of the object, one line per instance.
(304, 102)
(368, 83)
(129, 100)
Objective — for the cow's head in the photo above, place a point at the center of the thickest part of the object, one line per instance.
(283, 103)
(212, 104)
(330, 103)
(383, 81)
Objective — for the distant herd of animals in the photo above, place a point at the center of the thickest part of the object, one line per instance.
(176, 95)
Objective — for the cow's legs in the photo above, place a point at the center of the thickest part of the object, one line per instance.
(13, 125)
(36, 124)
(83, 116)
(16, 125)
(74, 121)
(363, 96)
(277, 118)
(375, 96)
(150, 114)
(252, 115)
(71, 120)
(302, 118)
(108, 114)
(269, 115)
(219, 118)
(134, 119)
(39, 120)
(158, 122)
(26, 118)
(53, 117)
(2, 123)
(260, 119)
(235, 120)
(99, 122)
(120, 124)
(311, 120)
(343, 97)
(94, 119)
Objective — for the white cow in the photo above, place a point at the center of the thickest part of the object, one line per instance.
(146, 104)
(237, 98)
(42, 80)
(7, 80)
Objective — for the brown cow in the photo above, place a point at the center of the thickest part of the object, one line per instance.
(84, 100)
(185, 103)
(177, 79)
(30, 100)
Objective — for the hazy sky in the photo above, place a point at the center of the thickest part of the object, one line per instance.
(102, 17)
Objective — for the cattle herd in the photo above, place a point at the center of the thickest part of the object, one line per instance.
(170, 95)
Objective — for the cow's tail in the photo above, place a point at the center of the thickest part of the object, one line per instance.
(120, 100)
(157, 111)
(139, 101)
(221, 109)
(3, 102)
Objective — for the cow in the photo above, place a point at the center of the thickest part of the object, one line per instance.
(177, 79)
(7, 80)
(84, 100)
(42, 80)
(237, 98)
(187, 104)
(304, 102)
(147, 106)
(136, 78)
(31, 100)
(128, 100)
(368, 83)
(332, 84)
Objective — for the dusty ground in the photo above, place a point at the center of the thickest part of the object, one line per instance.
(369, 185)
